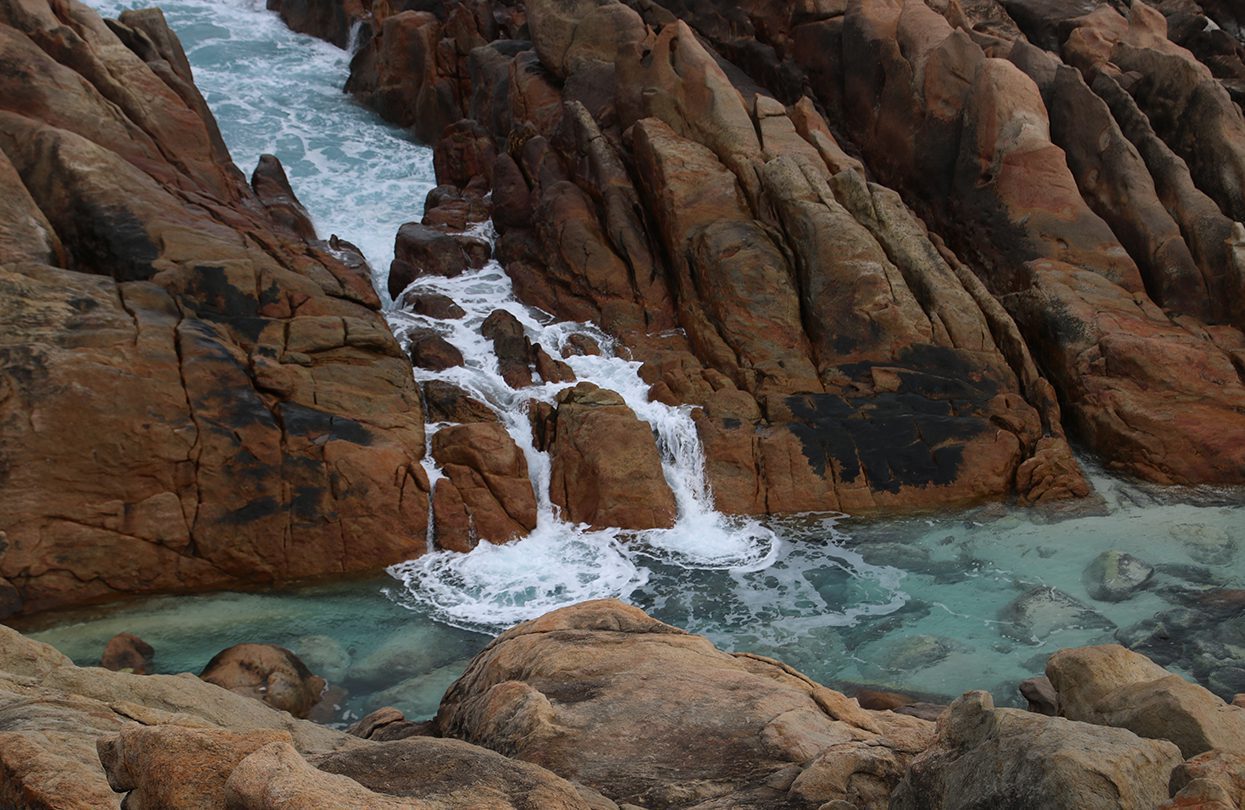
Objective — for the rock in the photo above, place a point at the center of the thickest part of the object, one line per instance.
(575, 690)
(606, 470)
(273, 189)
(127, 652)
(52, 713)
(582, 345)
(1214, 780)
(388, 724)
(428, 349)
(433, 305)
(325, 655)
(511, 346)
(419, 251)
(172, 767)
(275, 776)
(1114, 576)
(550, 369)
(1208, 545)
(446, 402)
(463, 152)
(1041, 611)
(1113, 686)
(266, 672)
(490, 475)
(331, 21)
(188, 332)
(1041, 695)
(983, 756)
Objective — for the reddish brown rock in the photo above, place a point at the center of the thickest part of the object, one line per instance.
(428, 349)
(260, 423)
(446, 402)
(511, 346)
(127, 652)
(490, 475)
(434, 305)
(420, 250)
(1211, 781)
(606, 468)
(266, 672)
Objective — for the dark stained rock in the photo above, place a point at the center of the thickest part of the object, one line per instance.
(511, 346)
(266, 672)
(247, 416)
(420, 250)
(434, 305)
(127, 652)
(490, 475)
(446, 402)
(428, 349)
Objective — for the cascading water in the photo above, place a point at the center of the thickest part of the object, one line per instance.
(925, 604)
(559, 563)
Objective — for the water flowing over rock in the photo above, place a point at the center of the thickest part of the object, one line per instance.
(197, 392)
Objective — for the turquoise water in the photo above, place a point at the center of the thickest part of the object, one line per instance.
(924, 604)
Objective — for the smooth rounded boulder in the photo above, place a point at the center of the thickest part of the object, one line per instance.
(266, 672)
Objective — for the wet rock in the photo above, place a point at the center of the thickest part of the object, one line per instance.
(511, 346)
(580, 344)
(606, 470)
(428, 349)
(1041, 611)
(419, 251)
(1041, 695)
(433, 305)
(266, 672)
(446, 402)
(463, 152)
(737, 726)
(330, 21)
(916, 652)
(983, 756)
(325, 655)
(1112, 686)
(550, 369)
(490, 475)
(173, 767)
(273, 189)
(126, 652)
(1208, 545)
(1114, 576)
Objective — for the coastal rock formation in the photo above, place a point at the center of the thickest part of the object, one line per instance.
(266, 672)
(648, 714)
(1112, 686)
(486, 494)
(983, 757)
(1056, 242)
(195, 391)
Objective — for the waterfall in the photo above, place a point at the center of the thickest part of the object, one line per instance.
(559, 562)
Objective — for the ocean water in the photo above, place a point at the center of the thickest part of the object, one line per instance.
(932, 605)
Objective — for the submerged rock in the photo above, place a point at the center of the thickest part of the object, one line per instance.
(1043, 610)
(266, 672)
(988, 757)
(1114, 576)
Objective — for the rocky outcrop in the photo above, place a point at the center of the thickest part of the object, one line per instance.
(648, 714)
(126, 652)
(984, 757)
(1113, 686)
(1064, 235)
(486, 494)
(196, 391)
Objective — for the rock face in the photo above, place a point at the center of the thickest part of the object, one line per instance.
(197, 392)
(486, 494)
(1057, 225)
(988, 757)
(1113, 686)
(648, 714)
(266, 672)
(606, 470)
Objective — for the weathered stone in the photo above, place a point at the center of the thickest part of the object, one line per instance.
(127, 652)
(983, 756)
(490, 475)
(428, 349)
(606, 470)
(1041, 695)
(266, 672)
(1114, 576)
(1042, 610)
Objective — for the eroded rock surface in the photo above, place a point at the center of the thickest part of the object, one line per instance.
(196, 391)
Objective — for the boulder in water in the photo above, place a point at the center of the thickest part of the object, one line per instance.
(511, 346)
(1114, 576)
(1043, 610)
(266, 672)
(446, 402)
(490, 474)
(429, 350)
(433, 305)
(126, 652)
(606, 469)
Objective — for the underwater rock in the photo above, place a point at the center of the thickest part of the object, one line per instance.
(324, 655)
(1208, 545)
(1114, 576)
(126, 652)
(984, 757)
(266, 672)
(1042, 610)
